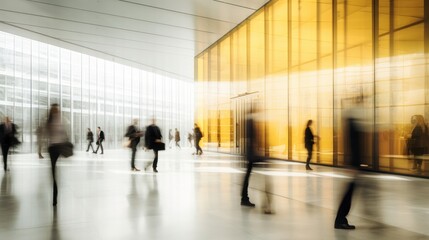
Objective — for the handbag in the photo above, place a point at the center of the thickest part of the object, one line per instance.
(159, 146)
(66, 149)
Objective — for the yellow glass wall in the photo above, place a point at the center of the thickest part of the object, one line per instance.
(304, 59)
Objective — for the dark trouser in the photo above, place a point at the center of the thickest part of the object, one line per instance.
(345, 205)
(244, 192)
(100, 144)
(90, 145)
(197, 145)
(155, 160)
(133, 156)
(310, 154)
(5, 151)
(54, 153)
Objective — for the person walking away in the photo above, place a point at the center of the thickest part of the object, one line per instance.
(177, 138)
(309, 142)
(153, 141)
(198, 135)
(100, 140)
(57, 136)
(134, 135)
(8, 131)
(90, 139)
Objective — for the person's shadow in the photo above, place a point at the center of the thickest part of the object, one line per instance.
(55, 232)
(8, 202)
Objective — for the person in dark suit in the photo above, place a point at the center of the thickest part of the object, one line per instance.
(100, 140)
(134, 135)
(309, 142)
(198, 135)
(152, 138)
(90, 139)
(418, 141)
(8, 131)
(353, 147)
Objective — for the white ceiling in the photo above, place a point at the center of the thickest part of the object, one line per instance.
(160, 34)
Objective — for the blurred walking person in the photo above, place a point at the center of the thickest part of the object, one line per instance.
(8, 131)
(190, 137)
(309, 142)
(90, 139)
(170, 137)
(134, 135)
(177, 138)
(252, 156)
(153, 141)
(198, 135)
(100, 139)
(353, 149)
(418, 141)
(57, 136)
(40, 133)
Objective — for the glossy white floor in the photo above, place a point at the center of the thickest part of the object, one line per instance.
(199, 198)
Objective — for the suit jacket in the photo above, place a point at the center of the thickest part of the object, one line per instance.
(309, 138)
(133, 135)
(90, 136)
(152, 134)
(8, 137)
(100, 136)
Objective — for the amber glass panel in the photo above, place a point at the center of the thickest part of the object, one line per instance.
(354, 72)
(224, 86)
(408, 12)
(277, 79)
(213, 94)
(404, 95)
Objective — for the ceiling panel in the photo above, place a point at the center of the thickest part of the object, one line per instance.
(153, 34)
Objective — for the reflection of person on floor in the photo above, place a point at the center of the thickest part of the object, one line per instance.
(7, 139)
(418, 141)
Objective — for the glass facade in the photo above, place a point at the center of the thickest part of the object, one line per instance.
(305, 59)
(91, 92)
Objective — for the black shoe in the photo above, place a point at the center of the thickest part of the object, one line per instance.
(87, 150)
(344, 226)
(154, 170)
(308, 168)
(94, 152)
(101, 153)
(247, 204)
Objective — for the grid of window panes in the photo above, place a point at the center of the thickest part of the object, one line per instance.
(306, 59)
(91, 91)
